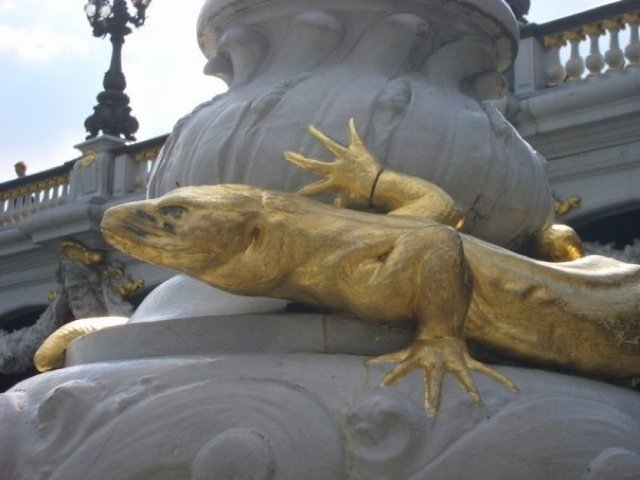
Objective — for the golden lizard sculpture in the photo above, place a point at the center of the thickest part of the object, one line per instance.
(410, 267)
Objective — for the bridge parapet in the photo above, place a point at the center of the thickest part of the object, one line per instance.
(39, 212)
(584, 120)
(106, 169)
(24, 196)
(577, 47)
(579, 106)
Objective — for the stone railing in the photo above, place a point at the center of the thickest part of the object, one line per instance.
(143, 155)
(113, 170)
(588, 44)
(24, 196)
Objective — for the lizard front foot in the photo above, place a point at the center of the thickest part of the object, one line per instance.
(436, 356)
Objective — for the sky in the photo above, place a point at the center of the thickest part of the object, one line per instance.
(51, 70)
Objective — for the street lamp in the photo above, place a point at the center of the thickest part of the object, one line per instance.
(112, 114)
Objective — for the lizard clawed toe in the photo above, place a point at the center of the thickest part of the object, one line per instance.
(435, 357)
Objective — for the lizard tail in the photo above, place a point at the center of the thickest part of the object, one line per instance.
(51, 353)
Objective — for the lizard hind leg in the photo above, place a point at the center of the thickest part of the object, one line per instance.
(444, 283)
(557, 243)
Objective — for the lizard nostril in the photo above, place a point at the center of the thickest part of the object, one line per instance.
(169, 227)
(145, 215)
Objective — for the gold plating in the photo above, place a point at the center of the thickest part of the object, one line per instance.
(410, 267)
(34, 187)
(631, 18)
(574, 35)
(51, 353)
(614, 24)
(594, 29)
(562, 207)
(556, 40)
(560, 39)
(74, 250)
(148, 154)
(87, 159)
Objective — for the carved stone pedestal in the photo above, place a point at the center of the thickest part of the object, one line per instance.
(283, 396)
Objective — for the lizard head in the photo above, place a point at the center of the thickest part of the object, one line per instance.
(195, 230)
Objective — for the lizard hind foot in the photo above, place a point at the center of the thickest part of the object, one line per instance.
(436, 356)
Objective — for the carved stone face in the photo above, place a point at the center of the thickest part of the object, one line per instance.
(415, 82)
(84, 290)
(85, 302)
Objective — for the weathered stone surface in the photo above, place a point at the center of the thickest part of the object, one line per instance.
(290, 411)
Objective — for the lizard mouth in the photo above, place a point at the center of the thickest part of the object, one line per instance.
(135, 229)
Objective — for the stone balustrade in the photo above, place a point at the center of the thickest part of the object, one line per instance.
(144, 156)
(573, 48)
(128, 173)
(24, 196)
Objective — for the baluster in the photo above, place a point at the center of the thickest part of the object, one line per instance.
(11, 205)
(4, 207)
(575, 64)
(555, 73)
(614, 56)
(595, 60)
(55, 193)
(43, 199)
(65, 192)
(18, 205)
(4, 215)
(632, 52)
(30, 203)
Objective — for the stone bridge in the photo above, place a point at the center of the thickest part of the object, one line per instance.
(575, 96)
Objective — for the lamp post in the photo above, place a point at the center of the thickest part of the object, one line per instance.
(112, 114)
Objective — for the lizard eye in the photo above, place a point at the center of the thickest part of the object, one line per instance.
(174, 212)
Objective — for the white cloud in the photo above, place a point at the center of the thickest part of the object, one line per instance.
(40, 42)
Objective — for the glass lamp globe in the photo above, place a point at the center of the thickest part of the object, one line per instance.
(97, 9)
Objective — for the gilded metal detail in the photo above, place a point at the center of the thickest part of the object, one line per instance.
(631, 18)
(410, 267)
(556, 40)
(558, 243)
(562, 207)
(74, 250)
(148, 154)
(613, 24)
(573, 35)
(131, 288)
(34, 187)
(594, 29)
(51, 353)
(90, 287)
(560, 39)
(126, 289)
(87, 159)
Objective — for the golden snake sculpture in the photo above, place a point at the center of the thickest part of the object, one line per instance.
(410, 267)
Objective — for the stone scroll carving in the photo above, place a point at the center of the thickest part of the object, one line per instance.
(235, 417)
